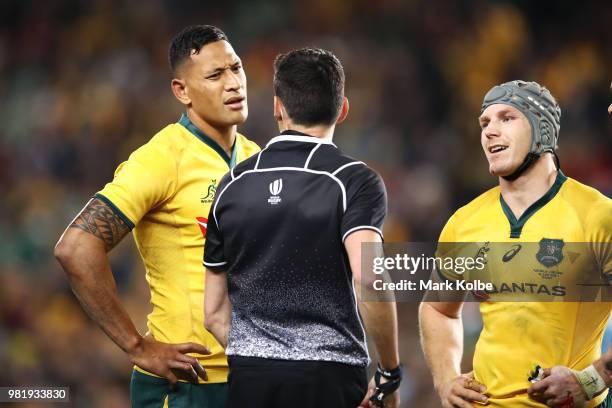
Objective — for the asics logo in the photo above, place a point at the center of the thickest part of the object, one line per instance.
(511, 253)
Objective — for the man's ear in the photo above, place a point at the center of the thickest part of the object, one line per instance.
(278, 109)
(343, 112)
(179, 89)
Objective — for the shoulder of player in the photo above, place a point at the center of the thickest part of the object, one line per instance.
(351, 171)
(340, 165)
(248, 145)
(356, 176)
(464, 214)
(578, 193)
(588, 202)
(489, 197)
(168, 143)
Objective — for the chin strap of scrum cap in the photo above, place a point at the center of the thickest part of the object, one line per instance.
(529, 160)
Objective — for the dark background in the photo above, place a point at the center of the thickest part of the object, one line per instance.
(83, 83)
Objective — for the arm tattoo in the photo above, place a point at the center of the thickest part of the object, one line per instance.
(100, 220)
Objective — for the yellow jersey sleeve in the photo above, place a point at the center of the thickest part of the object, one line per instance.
(143, 182)
(448, 232)
(598, 231)
(446, 247)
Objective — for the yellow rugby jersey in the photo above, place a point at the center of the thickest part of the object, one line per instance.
(164, 192)
(518, 335)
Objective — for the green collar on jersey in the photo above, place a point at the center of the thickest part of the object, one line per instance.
(188, 124)
(516, 226)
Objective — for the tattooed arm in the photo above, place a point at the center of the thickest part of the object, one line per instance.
(82, 252)
(99, 220)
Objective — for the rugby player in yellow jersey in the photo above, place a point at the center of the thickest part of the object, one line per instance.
(534, 203)
(559, 382)
(163, 192)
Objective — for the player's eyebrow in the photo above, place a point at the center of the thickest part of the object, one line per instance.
(502, 112)
(223, 68)
(215, 70)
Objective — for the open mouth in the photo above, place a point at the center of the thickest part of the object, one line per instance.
(235, 102)
(497, 148)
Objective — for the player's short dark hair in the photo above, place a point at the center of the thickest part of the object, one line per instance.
(189, 39)
(310, 83)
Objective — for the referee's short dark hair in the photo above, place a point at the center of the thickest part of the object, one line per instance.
(310, 83)
(189, 39)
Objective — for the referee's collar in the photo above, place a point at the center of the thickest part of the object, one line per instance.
(295, 136)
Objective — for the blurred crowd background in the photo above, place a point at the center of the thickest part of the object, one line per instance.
(85, 82)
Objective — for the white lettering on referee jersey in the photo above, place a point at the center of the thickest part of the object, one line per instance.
(323, 173)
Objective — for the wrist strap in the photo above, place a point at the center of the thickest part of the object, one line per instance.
(390, 374)
(592, 383)
(393, 377)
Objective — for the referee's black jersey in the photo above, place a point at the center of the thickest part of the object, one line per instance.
(277, 226)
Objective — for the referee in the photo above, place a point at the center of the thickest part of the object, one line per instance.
(283, 257)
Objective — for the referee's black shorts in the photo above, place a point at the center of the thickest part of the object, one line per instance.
(266, 383)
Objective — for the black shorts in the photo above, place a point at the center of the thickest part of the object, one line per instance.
(266, 383)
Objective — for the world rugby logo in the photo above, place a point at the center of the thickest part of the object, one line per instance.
(275, 189)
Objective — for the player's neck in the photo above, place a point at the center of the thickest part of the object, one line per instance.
(321, 132)
(519, 194)
(224, 136)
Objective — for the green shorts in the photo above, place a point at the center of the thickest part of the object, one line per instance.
(152, 392)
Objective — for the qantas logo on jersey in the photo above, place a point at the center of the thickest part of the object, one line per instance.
(528, 288)
(275, 189)
(521, 287)
(203, 224)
